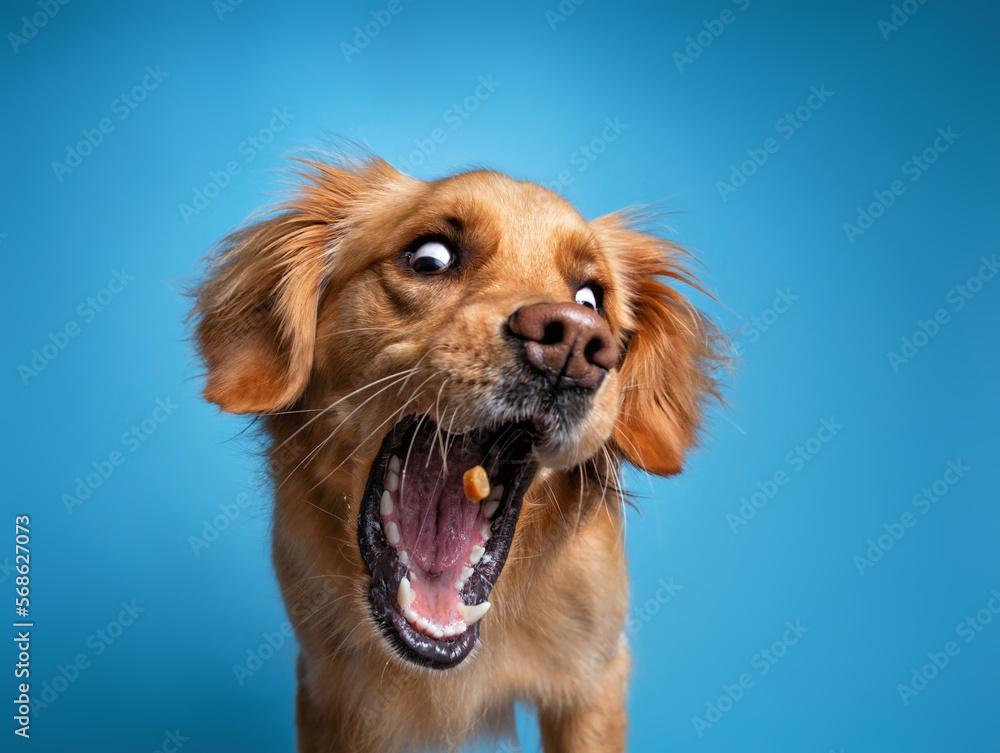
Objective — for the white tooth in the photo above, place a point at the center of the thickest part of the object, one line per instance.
(495, 492)
(394, 465)
(385, 505)
(435, 631)
(466, 573)
(490, 507)
(449, 631)
(405, 595)
(403, 557)
(392, 533)
(460, 628)
(459, 585)
(410, 616)
(391, 481)
(473, 614)
(487, 530)
(476, 554)
(423, 623)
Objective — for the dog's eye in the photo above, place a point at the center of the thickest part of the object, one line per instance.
(431, 258)
(587, 296)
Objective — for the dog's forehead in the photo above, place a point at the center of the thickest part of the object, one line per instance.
(525, 222)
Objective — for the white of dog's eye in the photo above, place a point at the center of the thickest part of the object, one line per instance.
(585, 297)
(431, 258)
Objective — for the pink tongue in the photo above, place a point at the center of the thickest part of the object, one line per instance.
(436, 521)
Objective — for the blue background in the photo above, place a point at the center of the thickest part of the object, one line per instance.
(560, 76)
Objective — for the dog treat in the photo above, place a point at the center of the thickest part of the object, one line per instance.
(476, 484)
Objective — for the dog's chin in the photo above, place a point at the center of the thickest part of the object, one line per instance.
(562, 447)
(560, 450)
(435, 555)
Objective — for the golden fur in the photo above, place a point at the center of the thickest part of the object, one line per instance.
(308, 319)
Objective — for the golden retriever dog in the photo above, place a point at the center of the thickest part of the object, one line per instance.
(395, 335)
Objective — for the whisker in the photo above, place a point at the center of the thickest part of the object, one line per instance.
(335, 404)
(354, 452)
(346, 637)
(419, 361)
(338, 427)
(323, 606)
(416, 393)
(381, 679)
(437, 432)
(329, 575)
(555, 501)
(289, 412)
(604, 489)
(401, 412)
(378, 329)
(649, 476)
(451, 437)
(397, 416)
(409, 451)
(332, 515)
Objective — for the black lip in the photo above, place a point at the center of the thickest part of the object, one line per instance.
(518, 471)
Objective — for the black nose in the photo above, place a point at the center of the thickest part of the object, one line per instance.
(570, 344)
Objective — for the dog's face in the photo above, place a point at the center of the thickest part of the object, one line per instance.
(410, 331)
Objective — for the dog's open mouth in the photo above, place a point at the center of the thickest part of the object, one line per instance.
(435, 554)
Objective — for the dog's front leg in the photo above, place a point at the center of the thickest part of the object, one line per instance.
(598, 722)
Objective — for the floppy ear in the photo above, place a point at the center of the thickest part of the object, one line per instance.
(257, 308)
(670, 354)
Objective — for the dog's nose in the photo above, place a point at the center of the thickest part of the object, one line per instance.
(570, 344)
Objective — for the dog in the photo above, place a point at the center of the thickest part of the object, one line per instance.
(392, 335)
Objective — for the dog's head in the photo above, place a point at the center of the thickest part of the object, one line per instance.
(408, 331)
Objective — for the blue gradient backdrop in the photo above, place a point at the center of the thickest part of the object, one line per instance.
(557, 78)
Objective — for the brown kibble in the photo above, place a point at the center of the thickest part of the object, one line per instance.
(476, 484)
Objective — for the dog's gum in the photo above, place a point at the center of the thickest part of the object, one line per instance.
(476, 484)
